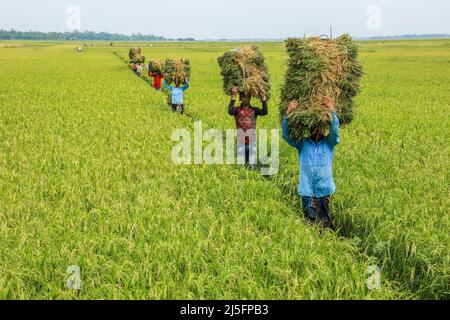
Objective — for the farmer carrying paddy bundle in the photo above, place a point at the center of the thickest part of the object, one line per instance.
(133, 67)
(176, 72)
(138, 69)
(246, 116)
(316, 166)
(177, 94)
(157, 79)
(322, 78)
(155, 68)
(244, 71)
(136, 60)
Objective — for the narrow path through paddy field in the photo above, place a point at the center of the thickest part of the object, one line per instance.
(289, 197)
(392, 166)
(86, 179)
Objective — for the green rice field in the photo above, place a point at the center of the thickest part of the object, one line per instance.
(87, 179)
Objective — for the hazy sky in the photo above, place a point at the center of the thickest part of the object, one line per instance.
(230, 18)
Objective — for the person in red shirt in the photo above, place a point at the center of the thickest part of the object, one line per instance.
(246, 116)
(157, 80)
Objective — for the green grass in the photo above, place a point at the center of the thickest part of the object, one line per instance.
(86, 179)
(392, 168)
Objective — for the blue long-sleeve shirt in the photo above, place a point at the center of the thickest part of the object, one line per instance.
(316, 161)
(177, 92)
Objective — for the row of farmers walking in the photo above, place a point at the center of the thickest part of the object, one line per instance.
(322, 78)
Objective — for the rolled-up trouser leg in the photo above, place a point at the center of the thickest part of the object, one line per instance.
(241, 153)
(323, 205)
(247, 153)
(309, 210)
(252, 154)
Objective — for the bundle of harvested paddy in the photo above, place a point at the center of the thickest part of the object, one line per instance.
(318, 68)
(156, 66)
(135, 55)
(133, 52)
(140, 59)
(245, 69)
(176, 71)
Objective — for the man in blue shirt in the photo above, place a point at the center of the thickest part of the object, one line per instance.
(177, 94)
(316, 167)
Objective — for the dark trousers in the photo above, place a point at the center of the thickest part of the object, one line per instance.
(174, 108)
(247, 151)
(317, 210)
(247, 154)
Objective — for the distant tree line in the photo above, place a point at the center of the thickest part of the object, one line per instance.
(408, 37)
(76, 35)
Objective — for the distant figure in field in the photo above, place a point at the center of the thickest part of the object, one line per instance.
(157, 79)
(138, 69)
(316, 154)
(133, 67)
(177, 94)
(246, 117)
